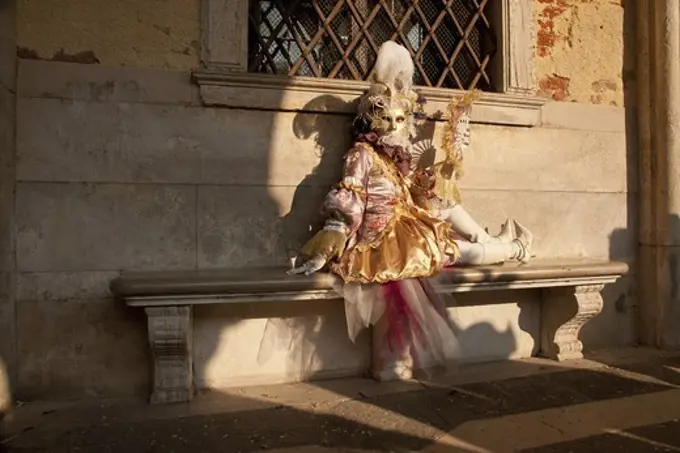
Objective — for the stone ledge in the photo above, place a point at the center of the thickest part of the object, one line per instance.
(259, 91)
(200, 286)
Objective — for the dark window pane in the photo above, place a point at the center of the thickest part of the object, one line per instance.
(450, 40)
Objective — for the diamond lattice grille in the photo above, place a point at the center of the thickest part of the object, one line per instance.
(451, 41)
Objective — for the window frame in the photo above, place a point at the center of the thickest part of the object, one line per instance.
(224, 81)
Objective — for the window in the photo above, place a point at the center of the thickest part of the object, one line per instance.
(452, 42)
(254, 52)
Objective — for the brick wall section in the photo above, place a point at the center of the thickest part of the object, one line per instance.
(579, 50)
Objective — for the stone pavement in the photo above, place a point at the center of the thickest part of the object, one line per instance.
(617, 401)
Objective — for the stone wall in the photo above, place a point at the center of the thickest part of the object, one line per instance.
(7, 161)
(122, 168)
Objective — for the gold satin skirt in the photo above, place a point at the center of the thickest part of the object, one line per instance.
(414, 245)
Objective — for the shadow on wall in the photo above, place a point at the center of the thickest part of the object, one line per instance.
(616, 325)
(660, 259)
(331, 133)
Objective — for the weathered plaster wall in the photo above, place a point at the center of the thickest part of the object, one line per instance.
(149, 33)
(579, 50)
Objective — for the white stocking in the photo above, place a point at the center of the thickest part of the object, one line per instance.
(467, 227)
(474, 253)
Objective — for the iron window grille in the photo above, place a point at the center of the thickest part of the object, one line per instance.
(452, 42)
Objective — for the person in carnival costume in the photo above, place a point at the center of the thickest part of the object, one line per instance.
(391, 224)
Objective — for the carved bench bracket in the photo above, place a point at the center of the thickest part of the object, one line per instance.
(563, 313)
(171, 341)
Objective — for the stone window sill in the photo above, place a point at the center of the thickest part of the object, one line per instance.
(267, 92)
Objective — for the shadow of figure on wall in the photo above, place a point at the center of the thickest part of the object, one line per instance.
(298, 328)
(322, 121)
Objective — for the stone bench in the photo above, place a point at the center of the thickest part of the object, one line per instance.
(570, 294)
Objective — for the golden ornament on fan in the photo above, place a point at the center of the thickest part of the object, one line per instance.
(446, 186)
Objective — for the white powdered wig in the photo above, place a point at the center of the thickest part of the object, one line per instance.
(394, 67)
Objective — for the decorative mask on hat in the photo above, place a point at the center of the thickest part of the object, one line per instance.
(390, 105)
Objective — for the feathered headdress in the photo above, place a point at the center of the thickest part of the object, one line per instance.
(394, 68)
(391, 85)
